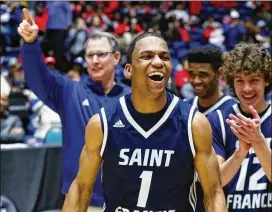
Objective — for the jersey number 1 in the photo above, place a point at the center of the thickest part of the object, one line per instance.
(146, 177)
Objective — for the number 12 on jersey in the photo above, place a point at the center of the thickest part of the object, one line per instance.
(146, 177)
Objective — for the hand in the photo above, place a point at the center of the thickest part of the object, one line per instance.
(28, 28)
(246, 129)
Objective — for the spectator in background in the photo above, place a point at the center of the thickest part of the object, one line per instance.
(59, 20)
(179, 12)
(77, 36)
(234, 30)
(12, 130)
(74, 75)
(4, 27)
(51, 64)
(41, 17)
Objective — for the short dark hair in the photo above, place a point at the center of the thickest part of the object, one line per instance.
(206, 54)
(111, 38)
(131, 47)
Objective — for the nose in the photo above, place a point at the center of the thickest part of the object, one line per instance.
(95, 59)
(247, 87)
(157, 61)
(195, 80)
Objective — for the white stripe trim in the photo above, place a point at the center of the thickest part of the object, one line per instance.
(37, 106)
(105, 136)
(266, 115)
(217, 104)
(263, 118)
(195, 101)
(192, 194)
(223, 130)
(190, 132)
(156, 126)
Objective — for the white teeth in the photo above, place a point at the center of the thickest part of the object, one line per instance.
(248, 96)
(155, 73)
(198, 87)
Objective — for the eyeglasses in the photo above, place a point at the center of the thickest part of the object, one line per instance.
(100, 55)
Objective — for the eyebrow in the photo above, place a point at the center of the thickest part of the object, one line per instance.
(150, 51)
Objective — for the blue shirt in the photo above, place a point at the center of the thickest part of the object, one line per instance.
(75, 102)
(148, 170)
(250, 189)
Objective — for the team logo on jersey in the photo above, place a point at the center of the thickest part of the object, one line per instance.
(85, 102)
(119, 124)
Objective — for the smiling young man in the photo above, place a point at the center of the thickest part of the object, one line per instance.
(204, 64)
(204, 67)
(242, 132)
(150, 144)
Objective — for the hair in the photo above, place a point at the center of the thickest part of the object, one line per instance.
(206, 54)
(131, 47)
(250, 58)
(111, 38)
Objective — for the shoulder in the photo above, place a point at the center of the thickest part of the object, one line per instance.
(201, 129)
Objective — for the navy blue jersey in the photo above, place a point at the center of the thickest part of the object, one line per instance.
(224, 102)
(250, 189)
(149, 170)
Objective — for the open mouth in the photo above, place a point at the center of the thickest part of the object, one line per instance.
(249, 97)
(156, 76)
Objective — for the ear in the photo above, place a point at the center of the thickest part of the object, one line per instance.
(266, 84)
(219, 74)
(117, 56)
(128, 70)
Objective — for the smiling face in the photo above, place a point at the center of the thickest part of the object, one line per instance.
(150, 68)
(250, 90)
(203, 79)
(100, 59)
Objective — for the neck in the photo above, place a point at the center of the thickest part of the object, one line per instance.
(259, 108)
(146, 105)
(208, 102)
(108, 84)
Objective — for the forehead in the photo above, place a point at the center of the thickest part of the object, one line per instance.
(196, 67)
(98, 45)
(245, 75)
(151, 44)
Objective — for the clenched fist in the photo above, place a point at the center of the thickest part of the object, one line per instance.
(28, 28)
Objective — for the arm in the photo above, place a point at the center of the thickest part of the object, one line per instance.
(231, 166)
(249, 130)
(46, 85)
(207, 165)
(80, 192)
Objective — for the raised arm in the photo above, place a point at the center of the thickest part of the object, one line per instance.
(80, 192)
(46, 85)
(207, 165)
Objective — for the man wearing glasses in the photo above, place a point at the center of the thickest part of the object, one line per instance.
(75, 102)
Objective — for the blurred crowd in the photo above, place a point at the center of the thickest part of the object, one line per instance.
(64, 28)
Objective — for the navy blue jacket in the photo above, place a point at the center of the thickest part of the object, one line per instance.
(75, 102)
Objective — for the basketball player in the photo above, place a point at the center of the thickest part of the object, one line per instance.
(149, 144)
(205, 71)
(242, 132)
